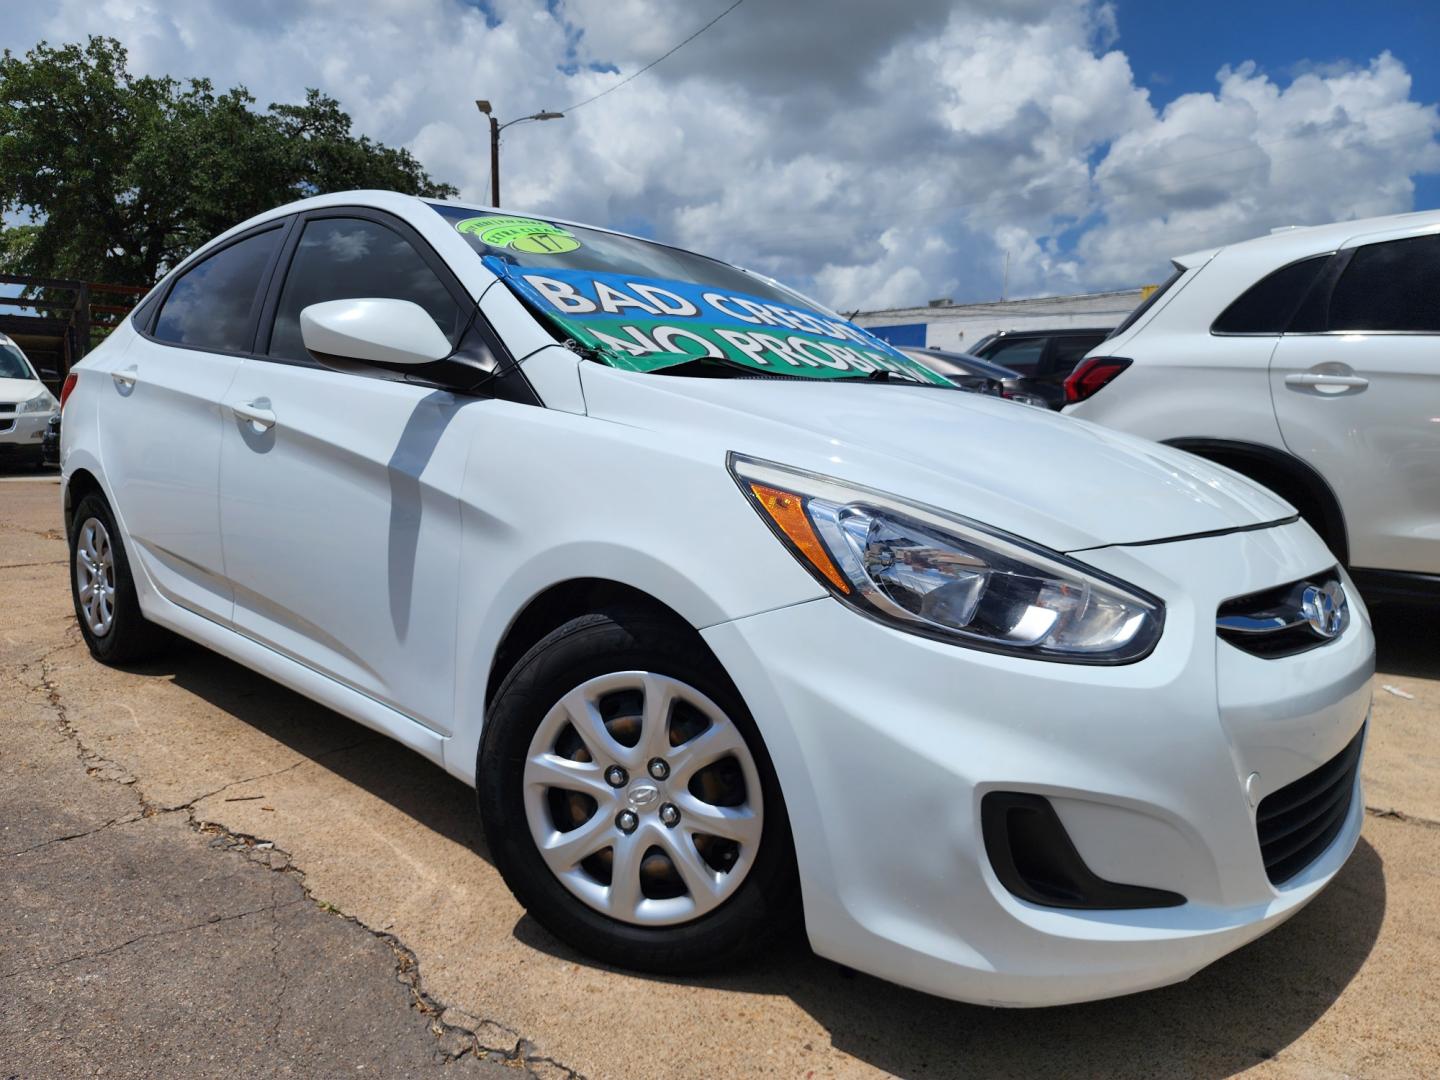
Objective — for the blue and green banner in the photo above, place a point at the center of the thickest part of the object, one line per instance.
(640, 323)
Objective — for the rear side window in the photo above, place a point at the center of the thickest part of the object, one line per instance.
(1066, 352)
(212, 305)
(1268, 305)
(350, 258)
(1390, 286)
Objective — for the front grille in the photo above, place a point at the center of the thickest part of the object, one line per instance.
(1297, 823)
(7, 406)
(6, 425)
(1287, 619)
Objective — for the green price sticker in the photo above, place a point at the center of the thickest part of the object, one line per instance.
(520, 234)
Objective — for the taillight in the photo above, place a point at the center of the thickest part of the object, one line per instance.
(1091, 376)
(70, 381)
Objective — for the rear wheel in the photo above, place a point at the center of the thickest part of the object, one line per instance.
(628, 800)
(104, 590)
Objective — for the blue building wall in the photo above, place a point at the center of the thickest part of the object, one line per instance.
(911, 334)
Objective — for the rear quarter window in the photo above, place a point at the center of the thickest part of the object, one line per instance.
(1268, 306)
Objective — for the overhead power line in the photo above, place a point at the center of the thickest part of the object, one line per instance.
(658, 59)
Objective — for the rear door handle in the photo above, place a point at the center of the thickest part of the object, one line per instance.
(125, 379)
(1307, 378)
(258, 412)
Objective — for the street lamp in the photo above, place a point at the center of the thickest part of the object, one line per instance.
(495, 128)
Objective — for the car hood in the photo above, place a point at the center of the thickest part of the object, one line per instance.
(1053, 479)
(19, 389)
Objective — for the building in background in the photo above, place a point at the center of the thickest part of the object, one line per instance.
(944, 324)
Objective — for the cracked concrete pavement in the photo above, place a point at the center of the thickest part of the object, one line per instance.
(207, 874)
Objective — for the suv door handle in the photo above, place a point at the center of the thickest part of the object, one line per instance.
(1306, 378)
(258, 412)
(125, 379)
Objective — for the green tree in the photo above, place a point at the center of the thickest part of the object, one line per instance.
(121, 175)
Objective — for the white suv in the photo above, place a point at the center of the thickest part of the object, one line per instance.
(1309, 360)
(26, 406)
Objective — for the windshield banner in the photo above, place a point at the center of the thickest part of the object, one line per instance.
(644, 324)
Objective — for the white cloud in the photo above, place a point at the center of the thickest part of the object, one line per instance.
(877, 154)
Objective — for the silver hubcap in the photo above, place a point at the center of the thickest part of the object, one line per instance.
(95, 576)
(670, 843)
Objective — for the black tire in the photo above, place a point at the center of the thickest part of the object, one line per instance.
(764, 907)
(131, 637)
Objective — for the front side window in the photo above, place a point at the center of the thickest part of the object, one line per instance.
(212, 304)
(1390, 286)
(1268, 306)
(643, 306)
(1022, 356)
(353, 258)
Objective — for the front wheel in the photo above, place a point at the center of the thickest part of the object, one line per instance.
(628, 800)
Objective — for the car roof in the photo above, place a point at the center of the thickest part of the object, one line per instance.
(1054, 331)
(1290, 242)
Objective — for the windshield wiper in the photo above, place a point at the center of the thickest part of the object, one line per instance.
(714, 366)
(881, 375)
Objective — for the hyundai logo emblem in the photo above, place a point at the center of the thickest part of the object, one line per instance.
(1323, 607)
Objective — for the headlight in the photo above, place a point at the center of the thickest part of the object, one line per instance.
(42, 402)
(946, 577)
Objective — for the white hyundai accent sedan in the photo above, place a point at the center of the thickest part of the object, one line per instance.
(736, 618)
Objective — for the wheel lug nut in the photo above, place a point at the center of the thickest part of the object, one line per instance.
(626, 821)
(670, 815)
(659, 768)
(615, 776)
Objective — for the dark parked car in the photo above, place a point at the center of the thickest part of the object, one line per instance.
(971, 372)
(1044, 356)
(50, 442)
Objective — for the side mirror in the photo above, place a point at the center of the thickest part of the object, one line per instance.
(378, 330)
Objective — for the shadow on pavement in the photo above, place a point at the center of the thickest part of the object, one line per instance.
(1407, 639)
(1241, 1010)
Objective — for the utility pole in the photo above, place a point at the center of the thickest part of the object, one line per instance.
(495, 128)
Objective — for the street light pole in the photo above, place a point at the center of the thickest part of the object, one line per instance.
(495, 128)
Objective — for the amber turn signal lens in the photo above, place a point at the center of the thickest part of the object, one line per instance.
(788, 512)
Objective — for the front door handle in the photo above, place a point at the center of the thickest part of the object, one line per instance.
(257, 412)
(1309, 378)
(125, 379)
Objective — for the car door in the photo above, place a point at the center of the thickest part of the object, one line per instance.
(160, 431)
(339, 507)
(1356, 389)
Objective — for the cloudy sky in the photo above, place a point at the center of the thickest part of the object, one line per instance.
(875, 154)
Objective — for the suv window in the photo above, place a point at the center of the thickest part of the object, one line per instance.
(348, 258)
(1022, 356)
(1268, 305)
(211, 305)
(1067, 351)
(1390, 286)
(1149, 302)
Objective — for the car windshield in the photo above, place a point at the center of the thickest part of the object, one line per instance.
(643, 306)
(13, 364)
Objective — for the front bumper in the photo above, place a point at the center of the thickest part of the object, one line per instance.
(21, 434)
(885, 744)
